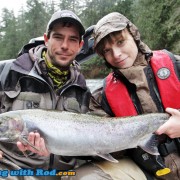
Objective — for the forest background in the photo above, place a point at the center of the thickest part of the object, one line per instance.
(157, 21)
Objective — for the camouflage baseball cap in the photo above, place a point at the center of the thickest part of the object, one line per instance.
(65, 15)
(108, 24)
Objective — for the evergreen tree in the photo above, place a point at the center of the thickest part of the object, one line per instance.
(35, 18)
(158, 22)
(68, 5)
(9, 37)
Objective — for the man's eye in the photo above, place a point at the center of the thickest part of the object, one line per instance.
(57, 37)
(120, 42)
(74, 39)
(105, 51)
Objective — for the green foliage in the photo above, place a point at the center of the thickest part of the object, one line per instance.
(95, 68)
(96, 9)
(172, 27)
(35, 17)
(158, 22)
(68, 4)
(16, 32)
(9, 38)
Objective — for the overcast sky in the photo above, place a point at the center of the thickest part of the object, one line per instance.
(14, 5)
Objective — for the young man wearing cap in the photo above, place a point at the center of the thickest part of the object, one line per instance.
(46, 77)
(142, 81)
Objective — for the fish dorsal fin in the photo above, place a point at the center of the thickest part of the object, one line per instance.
(151, 145)
(108, 157)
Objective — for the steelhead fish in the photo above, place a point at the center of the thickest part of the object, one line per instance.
(73, 134)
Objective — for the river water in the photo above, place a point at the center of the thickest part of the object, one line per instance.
(93, 84)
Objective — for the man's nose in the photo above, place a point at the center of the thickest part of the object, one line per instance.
(64, 44)
(116, 52)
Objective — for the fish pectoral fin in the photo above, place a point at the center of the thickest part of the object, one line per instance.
(151, 145)
(25, 141)
(108, 157)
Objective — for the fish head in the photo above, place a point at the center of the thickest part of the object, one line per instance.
(11, 127)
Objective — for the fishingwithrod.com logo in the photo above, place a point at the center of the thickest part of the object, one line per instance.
(36, 172)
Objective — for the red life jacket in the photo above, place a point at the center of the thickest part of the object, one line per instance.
(168, 84)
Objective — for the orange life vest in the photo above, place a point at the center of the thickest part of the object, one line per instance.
(168, 84)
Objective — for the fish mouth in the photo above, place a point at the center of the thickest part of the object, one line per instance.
(9, 137)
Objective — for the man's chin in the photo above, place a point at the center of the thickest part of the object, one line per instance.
(63, 65)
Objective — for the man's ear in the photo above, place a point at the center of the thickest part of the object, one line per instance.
(81, 45)
(45, 39)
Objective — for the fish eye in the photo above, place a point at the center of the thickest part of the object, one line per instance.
(2, 122)
(3, 129)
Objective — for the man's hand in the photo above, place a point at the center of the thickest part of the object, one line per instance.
(37, 141)
(172, 126)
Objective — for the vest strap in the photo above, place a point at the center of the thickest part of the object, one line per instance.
(169, 147)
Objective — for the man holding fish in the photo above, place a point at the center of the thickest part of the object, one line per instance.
(142, 82)
(46, 77)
